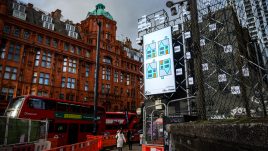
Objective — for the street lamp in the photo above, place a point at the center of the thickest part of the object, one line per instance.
(96, 85)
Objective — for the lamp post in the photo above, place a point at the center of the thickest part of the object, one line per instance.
(96, 85)
(197, 53)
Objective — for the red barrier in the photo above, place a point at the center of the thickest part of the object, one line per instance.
(109, 141)
(93, 143)
(23, 147)
(152, 147)
(54, 142)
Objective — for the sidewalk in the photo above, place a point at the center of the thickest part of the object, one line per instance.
(135, 147)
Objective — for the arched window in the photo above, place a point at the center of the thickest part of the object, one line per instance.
(107, 60)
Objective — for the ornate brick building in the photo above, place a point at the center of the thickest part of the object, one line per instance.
(42, 54)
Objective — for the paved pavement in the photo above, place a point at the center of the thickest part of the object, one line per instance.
(135, 147)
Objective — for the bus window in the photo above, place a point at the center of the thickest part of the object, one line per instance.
(36, 103)
(86, 127)
(60, 128)
(61, 107)
(74, 108)
(84, 110)
(50, 105)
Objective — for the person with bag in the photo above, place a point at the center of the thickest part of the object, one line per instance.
(129, 139)
(120, 139)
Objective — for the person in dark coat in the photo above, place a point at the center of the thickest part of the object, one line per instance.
(129, 139)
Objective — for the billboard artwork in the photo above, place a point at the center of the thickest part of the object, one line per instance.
(158, 62)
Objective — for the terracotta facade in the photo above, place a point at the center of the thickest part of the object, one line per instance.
(42, 61)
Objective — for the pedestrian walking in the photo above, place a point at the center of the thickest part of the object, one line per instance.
(120, 139)
(129, 139)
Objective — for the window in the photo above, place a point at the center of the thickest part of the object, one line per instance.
(46, 18)
(102, 88)
(70, 27)
(26, 34)
(78, 50)
(19, 11)
(72, 48)
(115, 76)
(7, 93)
(128, 79)
(107, 60)
(117, 63)
(40, 39)
(44, 78)
(42, 93)
(71, 65)
(86, 86)
(14, 54)
(61, 96)
(48, 25)
(121, 77)
(127, 92)
(107, 36)
(66, 46)
(71, 83)
(63, 82)
(34, 77)
(108, 87)
(48, 41)
(55, 43)
(47, 22)
(6, 29)
(116, 90)
(107, 25)
(10, 73)
(87, 70)
(3, 49)
(103, 73)
(16, 32)
(73, 34)
(37, 57)
(87, 53)
(18, 7)
(36, 103)
(108, 74)
(64, 65)
(46, 60)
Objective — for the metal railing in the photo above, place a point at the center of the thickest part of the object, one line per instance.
(20, 131)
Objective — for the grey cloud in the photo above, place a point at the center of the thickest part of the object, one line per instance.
(125, 12)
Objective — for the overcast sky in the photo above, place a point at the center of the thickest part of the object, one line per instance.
(125, 12)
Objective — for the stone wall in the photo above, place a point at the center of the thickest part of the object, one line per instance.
(219, 136)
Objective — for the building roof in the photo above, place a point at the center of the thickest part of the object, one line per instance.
(100, 11)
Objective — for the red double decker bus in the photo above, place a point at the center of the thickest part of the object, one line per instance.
(70, 122)
(125, 120)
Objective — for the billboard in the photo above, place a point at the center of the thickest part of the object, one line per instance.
(158, 62)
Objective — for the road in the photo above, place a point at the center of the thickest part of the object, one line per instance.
(135, 147)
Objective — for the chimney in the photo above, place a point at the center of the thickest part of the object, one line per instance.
(56, 15)
(30, 5)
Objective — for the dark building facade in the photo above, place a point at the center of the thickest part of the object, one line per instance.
(42, 54)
